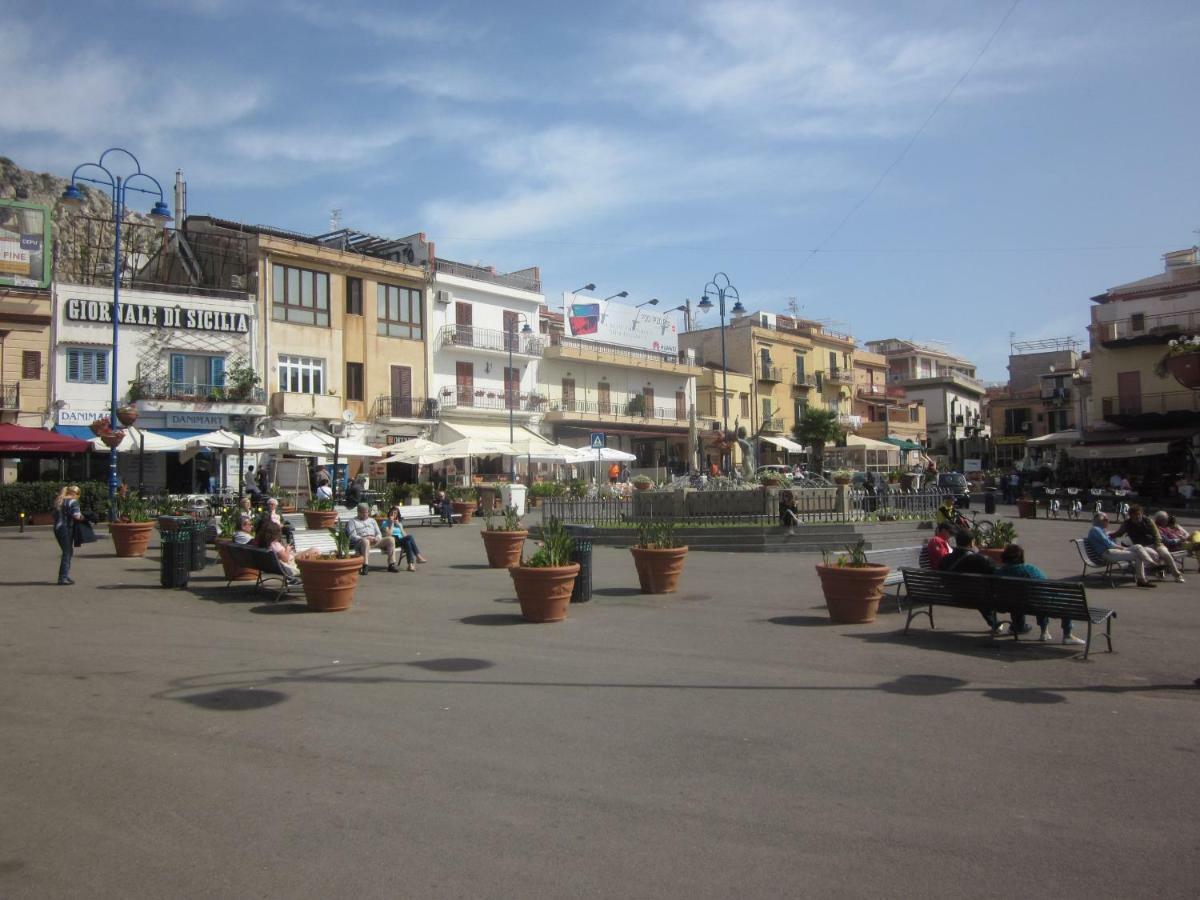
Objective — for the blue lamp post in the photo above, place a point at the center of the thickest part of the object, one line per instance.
(119, 186)
(721, 287)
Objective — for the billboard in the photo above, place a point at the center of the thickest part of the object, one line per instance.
(606, 322)
(24, 244)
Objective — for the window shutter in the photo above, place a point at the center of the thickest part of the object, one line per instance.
(217, 371)
(176, 368)
(72, 365)
(101, 364)
(31, 365)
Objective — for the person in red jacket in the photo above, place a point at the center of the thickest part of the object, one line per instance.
(939, 547)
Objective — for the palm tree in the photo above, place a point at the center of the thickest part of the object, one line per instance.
(815, 430)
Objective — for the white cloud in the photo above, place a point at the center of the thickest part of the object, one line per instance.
(442, 82)
(311, 143)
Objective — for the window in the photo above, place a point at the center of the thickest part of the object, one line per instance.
(398, 312)
(801, 409)
(193, 375)
(914, 413)
(680, 405)
(354, 381)
(1137, 322)
(301, 375)
(512, 388)
(299, 296)
(1016, 421)
(354, 304)
(766, 409)
(745, 398)
(87, 366)
(31, 365)
(799, 368)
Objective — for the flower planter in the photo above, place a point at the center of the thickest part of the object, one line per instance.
(841, 480)
(466, 510)
(41, 518)
(287, 510)
(233, 572)
(643, 486)
(544, 593)
(127, 415)
(658, 571)
(112, 439)
(1027, 509)
(130, 538)
(995, 554)
(1185, 367)
(329, 584)
(320, 518)
(771, 482)
(504, 548)
(852, 593)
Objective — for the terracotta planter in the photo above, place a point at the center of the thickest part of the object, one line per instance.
(41, 518)
(320, 518)
(658, 571)
(329, 584)
(544, 594)
(112, 439)
(771, 482)
(1027, 509)
(127, 415)
(852, 594)
(233, 572)
(99, 426)
(1186, 369)
(504, 547)
(643, 486)
(995, 554)
(841, 481)
(130, 538)
(464, 509)
(288, 510)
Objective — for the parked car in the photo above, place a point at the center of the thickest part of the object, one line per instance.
(956, 483)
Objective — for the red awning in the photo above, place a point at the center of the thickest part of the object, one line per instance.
(19, 439)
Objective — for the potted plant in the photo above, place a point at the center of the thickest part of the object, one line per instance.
(127, 414)
(463, 501)
(131, 531)
(893, 477)
(544, 581)
(992, 543)
(852, 586)
(287, 500)
(1026, 507)
(770, 479)
(503, 540)
(1182, 362)
(226, 530)
(642, 482)
(657, 557)
(330, 579)
(320, 514)
(842, 476)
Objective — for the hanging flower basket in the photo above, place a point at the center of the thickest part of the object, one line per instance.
(127, 415)
(1185, 368)
(112, 439)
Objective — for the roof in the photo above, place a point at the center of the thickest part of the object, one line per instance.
(345, 239)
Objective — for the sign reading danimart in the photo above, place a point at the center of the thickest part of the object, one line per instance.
(606, 322)
(79, 310)
(24, 237)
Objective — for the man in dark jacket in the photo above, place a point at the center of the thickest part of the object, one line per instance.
(964, 558)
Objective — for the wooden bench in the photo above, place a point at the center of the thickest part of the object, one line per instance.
(318, 539)
(263, 561)
(1030, 596)
(1090, 562)
(897, 558)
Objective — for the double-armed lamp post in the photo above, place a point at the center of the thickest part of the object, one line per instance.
(722, 288)
(119, 186)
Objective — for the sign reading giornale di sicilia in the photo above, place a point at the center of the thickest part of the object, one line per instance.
(80, 310)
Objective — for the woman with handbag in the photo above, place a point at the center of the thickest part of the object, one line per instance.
(66, 515)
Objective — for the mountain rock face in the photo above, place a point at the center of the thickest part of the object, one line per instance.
(41, 187)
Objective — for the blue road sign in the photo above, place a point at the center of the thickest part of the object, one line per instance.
(597, 440)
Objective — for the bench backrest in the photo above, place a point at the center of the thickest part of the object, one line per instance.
(262, 559)
(1021, 595)
(1085, 551)
(896, 558)
(314, 539)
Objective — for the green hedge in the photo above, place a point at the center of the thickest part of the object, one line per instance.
(38, 496)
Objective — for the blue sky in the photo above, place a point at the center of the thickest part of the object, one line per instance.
(645, 146)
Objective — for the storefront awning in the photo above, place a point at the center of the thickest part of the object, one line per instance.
(854, 440)
(903, 443)
(783, 443)
(1055, 438)
(448, 432)
(1118, 451)
(19, 439)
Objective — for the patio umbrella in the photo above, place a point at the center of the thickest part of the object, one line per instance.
(138, 440)
(225, 440)
(408, 448)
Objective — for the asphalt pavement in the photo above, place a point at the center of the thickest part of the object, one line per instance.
(725, 741)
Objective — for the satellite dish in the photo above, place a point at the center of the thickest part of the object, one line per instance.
(348, 416)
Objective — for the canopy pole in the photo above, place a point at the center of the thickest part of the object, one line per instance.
(141, 461)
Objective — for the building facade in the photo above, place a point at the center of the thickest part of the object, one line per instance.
(1039, 401)
(884, 410)
(24, 315)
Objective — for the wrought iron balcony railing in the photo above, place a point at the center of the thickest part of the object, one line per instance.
(770, 373)
(391, 406)
(774, 424)
(10, 396)
(628, 407)
(194, 392)
(471, 398)
(471, 337)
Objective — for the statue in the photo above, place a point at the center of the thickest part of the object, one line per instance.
(749, 451)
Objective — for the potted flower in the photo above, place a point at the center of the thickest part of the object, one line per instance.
(226, 530)
(842, 476)
(852, 586)
(464, 501)
(893, 477)
(127, 415)
(1026, 507)
(544, 581)
(1182, 361)
(503, 540)
(657, 557)
(287, 500)
(131, 531)
(642, 482)
(991, 543)
(330, 579)
(770, 479)
(320, 514)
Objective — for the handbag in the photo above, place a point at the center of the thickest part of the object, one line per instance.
(84, 533)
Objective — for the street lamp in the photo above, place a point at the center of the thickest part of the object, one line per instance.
(653, 302)
(686, 309)
(621, 294)
(511, 394)
(721, 286)
(119, 185)
(586, 287)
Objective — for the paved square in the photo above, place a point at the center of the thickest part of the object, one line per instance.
(724, 741)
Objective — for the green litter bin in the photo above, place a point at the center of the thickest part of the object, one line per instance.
(175, 548)
(582, 554)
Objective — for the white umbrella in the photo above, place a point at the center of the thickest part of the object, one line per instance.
(311, 443)
(137, 440)
(605, 454)
(409, 448)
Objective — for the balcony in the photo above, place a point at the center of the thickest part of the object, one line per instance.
(839, 376)
(1056, 396)
(485, 402)
(404, 407)
(1139, 329)
(193, 392)
(770, 373)
(10, 396)
(489, 340)
(803, 380)
(773, 425)
(947, 376)
(311, 406)
(848, 421)
(1173, 409)
(563, 347)
(627, 410)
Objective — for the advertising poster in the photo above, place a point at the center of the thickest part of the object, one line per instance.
(24, 244)
(608, 322)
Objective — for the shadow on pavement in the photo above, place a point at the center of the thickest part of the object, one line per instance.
(452, 664)
(978, 644)
(469, 566)
(235, 699)
(616, 592)
(493, 619)
(280, 609)
(800, 620)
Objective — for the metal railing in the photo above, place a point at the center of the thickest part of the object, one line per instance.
(10, 396)
(804, 380)
(891, 501)
(469, 336)
(525, 280)
(482, 399)
(1162, 325)
(391, 406)
(632, 354)
(839, 376)
(773, 424)
(770, 373)
(1141, 404)
(571, 510)
(618, 407)
(195, 391)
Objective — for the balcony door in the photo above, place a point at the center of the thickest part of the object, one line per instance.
(680, 405)
(603, 398)
(510, 331)
(648, 396)
(1129, 393)
(568, 394)
(463, 319)
(464, 380)
(401, 391)
(512, 388)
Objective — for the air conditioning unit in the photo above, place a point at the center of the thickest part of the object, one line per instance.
(443, 297)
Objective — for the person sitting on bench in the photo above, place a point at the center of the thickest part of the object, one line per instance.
(788, 512)
(364, 534)
(963, 558)
(445, 508)
(938, 546)
(271, 514)
(270, 537)
(1144, 533)
(1016, 567)
(245, 533)
(394, 525)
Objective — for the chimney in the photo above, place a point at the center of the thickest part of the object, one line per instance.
(180, 200)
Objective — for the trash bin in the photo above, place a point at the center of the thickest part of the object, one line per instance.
(582, 554)
(513, 495)
(175, 550)
(199, 546)
(989, 503)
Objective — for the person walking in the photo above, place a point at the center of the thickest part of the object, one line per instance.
(66, 514)
(1014, 566)
(1101, 546)
(395, 527)
(364, 534)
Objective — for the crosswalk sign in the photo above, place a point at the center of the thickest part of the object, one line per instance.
(597, 440)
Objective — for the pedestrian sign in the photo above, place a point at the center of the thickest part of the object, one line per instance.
(598, 440)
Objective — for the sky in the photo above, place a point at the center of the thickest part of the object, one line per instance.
(954, 170)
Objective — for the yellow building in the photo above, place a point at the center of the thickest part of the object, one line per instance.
(344, 328)
(883, 410)
(24, 351)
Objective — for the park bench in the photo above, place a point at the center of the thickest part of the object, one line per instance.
(1033, 597)
(897, 558)
(1104, 568)
(318, 539)
(263, 561)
